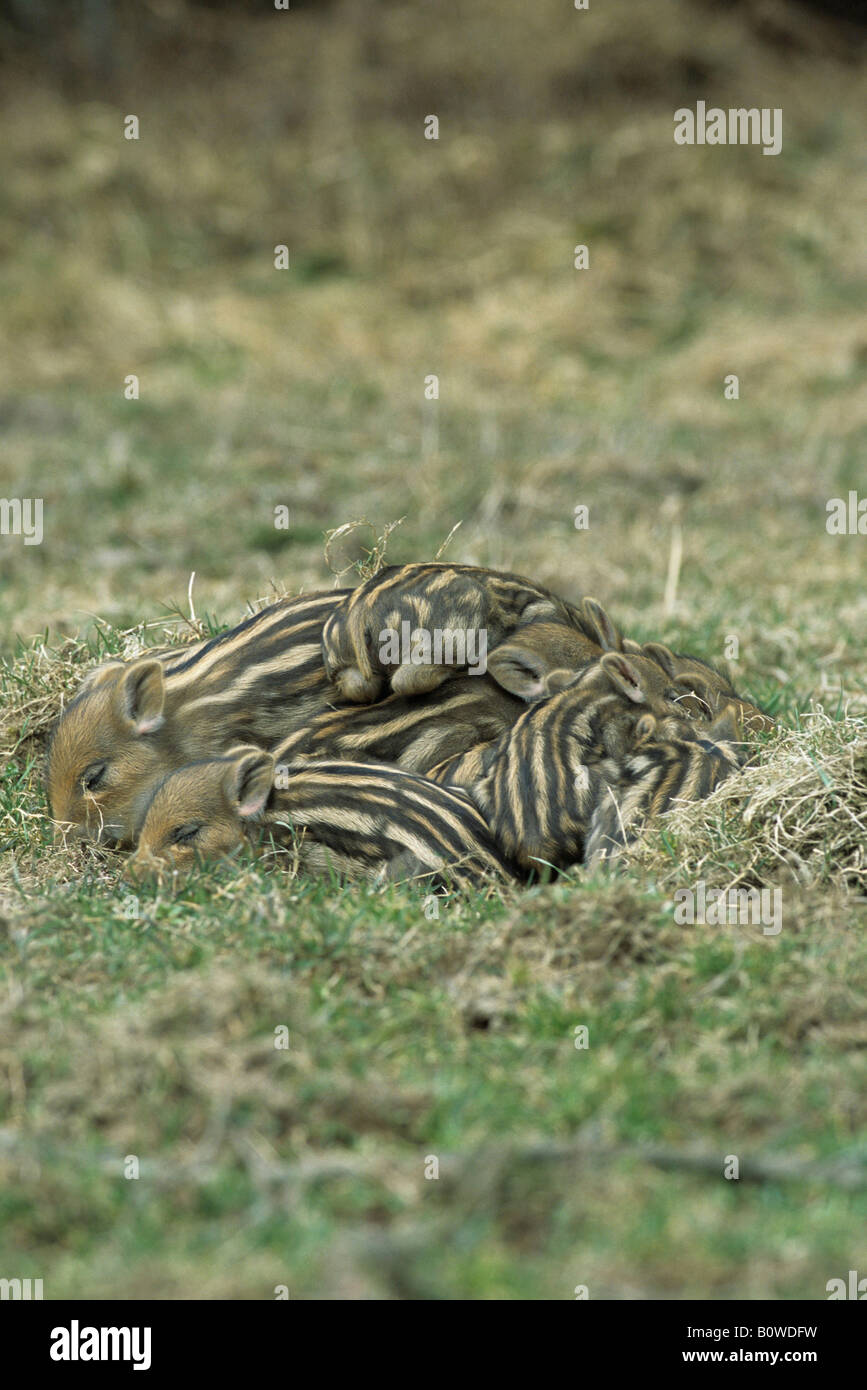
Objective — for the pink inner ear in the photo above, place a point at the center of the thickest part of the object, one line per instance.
(630, 687)
(633, 691)
(149, 726)
(253, 805)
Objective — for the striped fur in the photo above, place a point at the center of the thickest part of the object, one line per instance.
(663, 768)
(714, 687)
(357, 819)
(419, 732)
(412, 733)
(541, 658)
(537, 785)
(450, 599)
(133, 722)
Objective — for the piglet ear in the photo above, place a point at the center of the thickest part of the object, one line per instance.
(603, 630)
(624, 676)
(519, 670)
(561, 679)
(662, 655)
(645, 728)
(700, 690)
(249, 779)
(727, 726)
(141, 695)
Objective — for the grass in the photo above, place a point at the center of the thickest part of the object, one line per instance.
(144, 1024)
(153, 1036)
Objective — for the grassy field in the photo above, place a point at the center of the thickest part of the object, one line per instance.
(143, 1026)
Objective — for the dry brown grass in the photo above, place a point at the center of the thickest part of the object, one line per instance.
(798, 816)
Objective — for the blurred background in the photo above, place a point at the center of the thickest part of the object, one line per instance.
(305, 387)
